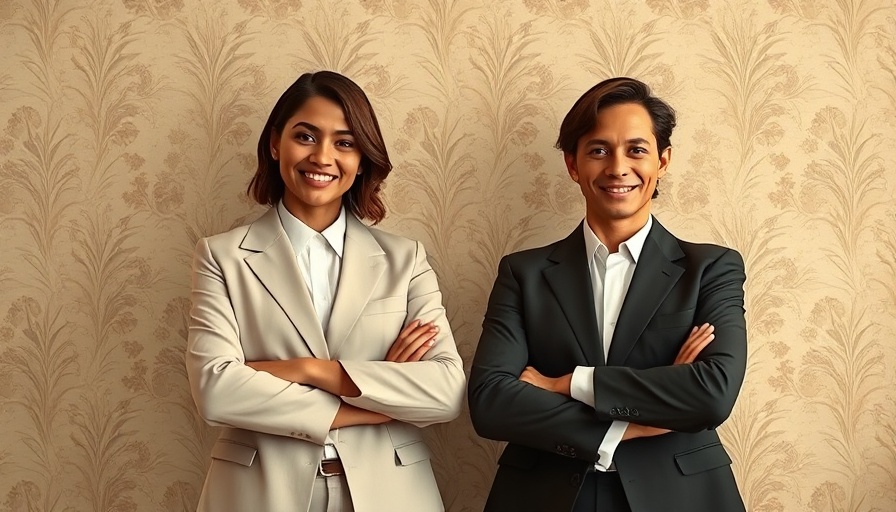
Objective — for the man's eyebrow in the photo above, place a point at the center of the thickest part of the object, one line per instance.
(315, 129)
(602, 142)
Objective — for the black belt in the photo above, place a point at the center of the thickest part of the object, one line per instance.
(331, 467)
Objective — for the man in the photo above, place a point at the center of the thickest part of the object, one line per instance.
(588, 364)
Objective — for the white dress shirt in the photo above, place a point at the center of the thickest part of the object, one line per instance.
(319, 256)
(611, 275)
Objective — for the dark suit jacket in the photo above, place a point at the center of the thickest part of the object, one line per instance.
(541, 313)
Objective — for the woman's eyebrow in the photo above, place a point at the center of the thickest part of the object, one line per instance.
(315, 129)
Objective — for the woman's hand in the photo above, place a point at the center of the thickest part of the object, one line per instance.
(699, 338)
(349, 416)
(413, 342)
(320, 373)
(286, 369)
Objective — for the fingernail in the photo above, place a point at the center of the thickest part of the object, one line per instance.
(431, 342)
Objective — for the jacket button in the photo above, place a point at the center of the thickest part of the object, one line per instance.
(613, 412)
(625, 411)
(635, 412)
(575, 480)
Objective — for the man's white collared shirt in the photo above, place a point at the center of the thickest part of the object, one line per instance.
(611, 275)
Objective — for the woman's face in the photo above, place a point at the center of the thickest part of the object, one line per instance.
(318, 160)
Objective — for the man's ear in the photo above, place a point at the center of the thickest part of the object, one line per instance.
(665, 159)
(571, 168)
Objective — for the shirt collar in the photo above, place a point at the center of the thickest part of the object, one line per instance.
(299, 234)
(632, 247)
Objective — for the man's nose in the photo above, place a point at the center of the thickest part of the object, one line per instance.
(616, 166)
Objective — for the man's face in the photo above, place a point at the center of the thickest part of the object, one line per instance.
(617, 165)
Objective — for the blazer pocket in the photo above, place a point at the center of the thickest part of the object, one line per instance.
(670, 320)
(403, 434)
(411, 453)
(234, 452)
(702, 459)
(395, 304)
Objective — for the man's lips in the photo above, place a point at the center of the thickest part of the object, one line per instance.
(619, 189)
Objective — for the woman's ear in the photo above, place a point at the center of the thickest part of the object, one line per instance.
(275, 145)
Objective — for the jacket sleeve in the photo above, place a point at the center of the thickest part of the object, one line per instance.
(688, 397)
(424, 392)
(506, 409)
(226, 391)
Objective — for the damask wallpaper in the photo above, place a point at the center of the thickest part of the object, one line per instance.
(127, 131)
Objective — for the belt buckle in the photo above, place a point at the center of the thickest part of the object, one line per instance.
(320, 468)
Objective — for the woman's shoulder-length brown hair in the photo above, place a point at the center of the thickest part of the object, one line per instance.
(363, 198)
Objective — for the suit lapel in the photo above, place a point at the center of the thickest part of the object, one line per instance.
(654, 277)
(363, 264)
(570, 282)
(274, 264)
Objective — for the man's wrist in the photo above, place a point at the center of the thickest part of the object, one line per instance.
(562, 384)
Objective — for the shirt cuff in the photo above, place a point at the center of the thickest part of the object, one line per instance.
(581, 386)
(608, 446)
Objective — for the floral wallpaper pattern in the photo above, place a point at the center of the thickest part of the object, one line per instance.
(127, 131)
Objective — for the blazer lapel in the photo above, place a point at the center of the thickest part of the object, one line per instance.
(363, 264)
(274, 264)
(570, 281)
(654, 277)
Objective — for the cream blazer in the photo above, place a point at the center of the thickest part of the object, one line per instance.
(250, 303)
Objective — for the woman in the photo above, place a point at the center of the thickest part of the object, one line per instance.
(319, 344)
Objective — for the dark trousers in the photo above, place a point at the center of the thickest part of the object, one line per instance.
(602, 492)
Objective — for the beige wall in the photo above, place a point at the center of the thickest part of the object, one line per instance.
(127, 130)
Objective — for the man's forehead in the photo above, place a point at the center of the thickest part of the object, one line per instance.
(628, 125)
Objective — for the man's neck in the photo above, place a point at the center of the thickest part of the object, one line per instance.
(612, 233)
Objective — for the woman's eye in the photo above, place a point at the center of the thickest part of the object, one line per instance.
(345, 144)
(304, 137)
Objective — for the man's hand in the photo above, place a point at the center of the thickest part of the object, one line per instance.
(555, 385)
(634, 431)
(413, 342)
(699, 338)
